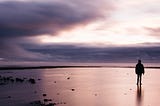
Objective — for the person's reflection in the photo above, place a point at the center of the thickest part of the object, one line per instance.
(139, 95)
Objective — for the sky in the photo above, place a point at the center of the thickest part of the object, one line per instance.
(79, 31)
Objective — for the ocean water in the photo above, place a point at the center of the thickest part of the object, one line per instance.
(82, 87)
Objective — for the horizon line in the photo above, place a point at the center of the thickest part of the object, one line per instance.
(71, 66)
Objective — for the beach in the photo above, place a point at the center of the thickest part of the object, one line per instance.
(80, 86)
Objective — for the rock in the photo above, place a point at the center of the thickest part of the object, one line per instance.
(12, 80)
(44, 94)
(9, 97)
(4, 79)
(32, 81)
(47, 100)
(36, 103)
(73, 89)
(19, 80)
(2, 83)
(68, 78)
(24, 78)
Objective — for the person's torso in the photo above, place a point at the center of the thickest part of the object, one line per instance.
(139, 68)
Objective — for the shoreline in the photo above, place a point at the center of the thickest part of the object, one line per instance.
(49, 67)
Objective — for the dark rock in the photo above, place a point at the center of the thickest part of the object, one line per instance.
(73, 89)
(7, 78)
(2, 83)
(68, 78)
(36, 103)
(44, 94)
(19, 80)
(49, 99)
(4, 79)
(45, 100)
(12, 80)
(32, 81)
(9, 97)
(24, 78)
(41, 103)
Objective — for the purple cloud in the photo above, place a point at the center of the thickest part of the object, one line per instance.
(36, 18)
(19, 20)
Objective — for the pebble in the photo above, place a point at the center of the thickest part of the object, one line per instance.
(44, 94)
(73, 89)
(68, 78)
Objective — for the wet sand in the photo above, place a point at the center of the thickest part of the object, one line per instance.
(81, 87)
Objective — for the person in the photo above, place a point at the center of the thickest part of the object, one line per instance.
(139, 71)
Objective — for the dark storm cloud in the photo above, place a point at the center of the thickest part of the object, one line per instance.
(12, 51)
(36, 18)
(76, 53)
(20, 20)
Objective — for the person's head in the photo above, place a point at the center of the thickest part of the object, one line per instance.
(139, 61)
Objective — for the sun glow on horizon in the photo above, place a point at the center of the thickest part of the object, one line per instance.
(85, 35)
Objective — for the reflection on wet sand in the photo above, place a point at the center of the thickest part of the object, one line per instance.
(81, 87)
(139, 98)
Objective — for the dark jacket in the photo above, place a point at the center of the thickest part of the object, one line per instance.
(139, 69)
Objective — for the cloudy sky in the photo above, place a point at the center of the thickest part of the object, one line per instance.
(79, 31)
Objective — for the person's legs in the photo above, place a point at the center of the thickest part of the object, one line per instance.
(140, 76)
(137, 79)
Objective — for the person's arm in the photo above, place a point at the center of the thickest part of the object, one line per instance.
(143, 70)
(136, 69)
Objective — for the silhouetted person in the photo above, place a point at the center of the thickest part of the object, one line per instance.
(139, 71)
